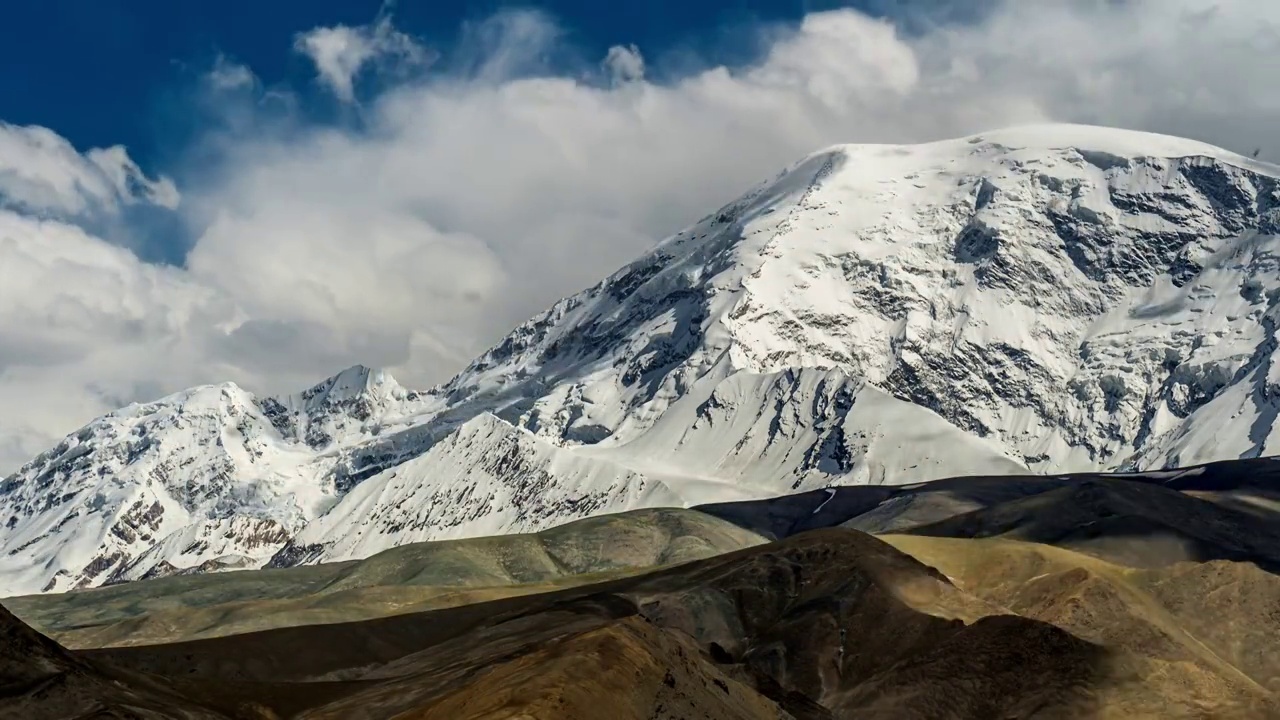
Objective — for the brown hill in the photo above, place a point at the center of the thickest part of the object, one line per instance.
(1220, 511)
(1204, 632)
(40, 679)
(833, 623)
(1133, 523)
(410, 578)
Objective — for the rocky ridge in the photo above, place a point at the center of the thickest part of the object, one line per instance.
(1058, 298)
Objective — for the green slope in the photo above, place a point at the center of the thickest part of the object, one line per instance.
(410, 578)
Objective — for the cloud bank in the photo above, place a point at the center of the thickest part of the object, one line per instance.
(475, 192)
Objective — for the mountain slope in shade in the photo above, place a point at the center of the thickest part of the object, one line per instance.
(1137, 524)
(40, 679)
(1140, 520)
(1056, 298)
(1218, 511)
(763, 622)
(828, 624)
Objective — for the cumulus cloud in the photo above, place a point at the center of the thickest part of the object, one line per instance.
(341, 52)
(40, 172)
(85, 326)
(473, 196)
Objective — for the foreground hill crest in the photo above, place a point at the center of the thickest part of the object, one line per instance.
(1054, 298)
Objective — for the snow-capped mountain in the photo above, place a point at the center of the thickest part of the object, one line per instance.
(1056, 298)
(209, 476)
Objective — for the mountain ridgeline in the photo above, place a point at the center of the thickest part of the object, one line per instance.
(1046, 299)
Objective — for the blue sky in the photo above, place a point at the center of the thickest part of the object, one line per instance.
(128, 72)
(106, 72)
(280, 228)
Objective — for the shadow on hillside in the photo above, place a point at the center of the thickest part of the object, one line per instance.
(816, 624)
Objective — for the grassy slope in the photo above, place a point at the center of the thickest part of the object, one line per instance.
(410, 578)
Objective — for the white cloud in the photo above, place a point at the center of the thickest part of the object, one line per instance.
(85, 326)
(228, 74)
(470, 200)
(624, 63)
(41, 172)
(341, 52)
(509, 44)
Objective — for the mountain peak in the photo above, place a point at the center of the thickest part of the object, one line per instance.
(356, 401)
(1055, 297)
(1009, 259)
(350, 384)
(182, 481)
(1117, 141)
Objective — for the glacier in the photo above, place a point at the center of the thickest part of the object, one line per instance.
(1050, 299)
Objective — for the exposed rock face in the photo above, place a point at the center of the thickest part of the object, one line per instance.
(1056, 298)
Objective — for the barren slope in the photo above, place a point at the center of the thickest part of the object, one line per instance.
(409, 578)
(774, 614)
(39, 679)
(1207, 630)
